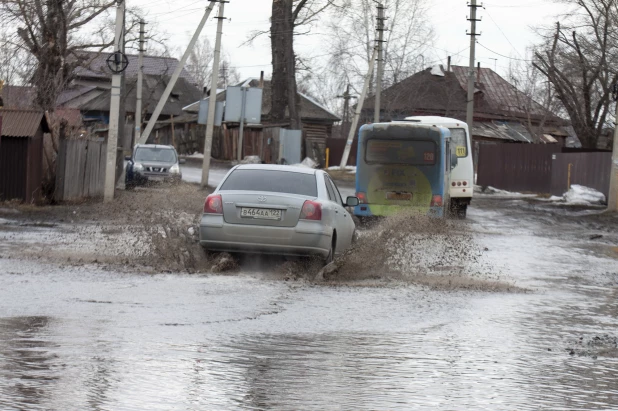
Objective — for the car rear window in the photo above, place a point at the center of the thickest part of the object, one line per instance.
(275, 181)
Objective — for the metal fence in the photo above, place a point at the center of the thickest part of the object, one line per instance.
(516, 167)
(80, 169)
(588, 169)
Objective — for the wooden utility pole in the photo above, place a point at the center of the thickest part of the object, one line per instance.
(470, 109)
(175, 75)
(140, 77)
(210, 121)
(114, 110)
(359, 107)
(612, 198)
(380, 74)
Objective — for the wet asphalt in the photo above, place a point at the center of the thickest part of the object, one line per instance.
(92, 336)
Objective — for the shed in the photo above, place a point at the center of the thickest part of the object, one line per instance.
(21, 154)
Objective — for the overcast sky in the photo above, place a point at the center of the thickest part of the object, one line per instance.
(505, 27)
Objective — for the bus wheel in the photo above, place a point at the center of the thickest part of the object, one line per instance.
(461, 211)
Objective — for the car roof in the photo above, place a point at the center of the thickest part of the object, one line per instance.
(155, 146)
(276, 167)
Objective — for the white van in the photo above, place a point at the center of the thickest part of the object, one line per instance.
(462, 176)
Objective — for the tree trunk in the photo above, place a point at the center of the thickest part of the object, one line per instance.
(284, 92)
(278, 85)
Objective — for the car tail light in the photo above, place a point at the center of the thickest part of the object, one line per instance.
(213, 204)
(311, 210)
(362, 197)
(436, 201)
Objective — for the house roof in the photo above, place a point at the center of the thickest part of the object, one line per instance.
(94, 65)
(22, 123)
(446, 93)
(309, 108)
(18, 96)
(97, 98)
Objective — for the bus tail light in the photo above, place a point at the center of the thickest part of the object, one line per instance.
(311, 210)
(465, 183)
(436, 200)
(362, 197)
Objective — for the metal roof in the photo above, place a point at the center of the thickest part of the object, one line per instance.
(95, 65)
(22, 123)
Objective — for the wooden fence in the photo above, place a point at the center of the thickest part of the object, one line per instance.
(80, 169)
(588, 169)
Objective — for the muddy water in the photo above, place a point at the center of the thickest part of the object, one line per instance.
(103, 336)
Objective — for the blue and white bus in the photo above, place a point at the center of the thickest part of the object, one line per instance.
(403, 167)
(462, 176)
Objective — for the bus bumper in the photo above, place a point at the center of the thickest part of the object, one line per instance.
(382, 210)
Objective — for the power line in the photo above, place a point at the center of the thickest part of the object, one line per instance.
(502, 55)
(507, 39)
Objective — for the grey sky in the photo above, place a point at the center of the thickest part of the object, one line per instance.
(505, 26)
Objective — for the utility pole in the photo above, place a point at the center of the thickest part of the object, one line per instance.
(612, 198)
(346, 106)
(140, 77)
(380, 74)
(470, 109)
(114, 110)
(359, 107)
(210, 121)
(175, 75)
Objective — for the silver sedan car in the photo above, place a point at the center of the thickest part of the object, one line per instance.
(273, 209)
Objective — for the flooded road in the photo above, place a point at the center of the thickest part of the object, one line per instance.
(103, 337)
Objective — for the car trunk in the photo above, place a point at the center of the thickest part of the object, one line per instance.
(262, 208)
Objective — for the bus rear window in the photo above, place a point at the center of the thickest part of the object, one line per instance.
(459, 141)
(413, 152)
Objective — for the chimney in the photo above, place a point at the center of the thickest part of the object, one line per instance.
(448, 64)
(478, 72)
(262, 79)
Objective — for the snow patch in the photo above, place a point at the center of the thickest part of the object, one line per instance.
(437, 71)
(496, 192)
(307, 162)
(251, 160)
(581, 195)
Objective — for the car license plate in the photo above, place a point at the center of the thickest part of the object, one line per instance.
(262, 213)
(156, 178)
(398, 196)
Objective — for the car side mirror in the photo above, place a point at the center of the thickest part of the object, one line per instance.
(454, 160)
(351, 201)
(182, 161)
(128, 158)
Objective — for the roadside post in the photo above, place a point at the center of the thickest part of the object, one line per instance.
(612, 198)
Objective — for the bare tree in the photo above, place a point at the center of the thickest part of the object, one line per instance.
(579, 60)
(49, 30)
(535, 97)
(351, 37)
(16, 64)
(288, 18)
(199, 64)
